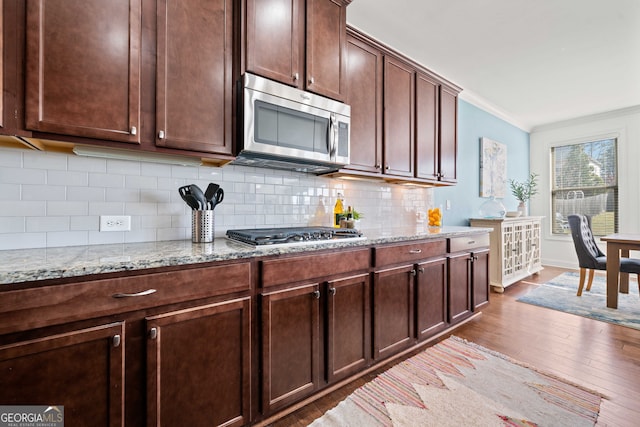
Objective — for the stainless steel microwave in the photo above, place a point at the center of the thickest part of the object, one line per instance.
(287, 128)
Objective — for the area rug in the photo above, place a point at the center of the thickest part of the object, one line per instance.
(560, 294)
(459, 383)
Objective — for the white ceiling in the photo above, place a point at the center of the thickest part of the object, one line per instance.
(530, 62)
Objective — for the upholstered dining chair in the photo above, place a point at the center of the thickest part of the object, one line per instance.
(590, 257)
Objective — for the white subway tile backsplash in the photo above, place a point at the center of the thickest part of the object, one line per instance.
(12, 224)
(22, 176)
(68, 178)
(90, 194)
(9, 192)
(55, 208)
(56, 199)
(49, 161)
(68, 238)
(23, 241)
(11, 158)
(24, 208)
(50, 223)
(106, 180)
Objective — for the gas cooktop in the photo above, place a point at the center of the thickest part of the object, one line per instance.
(292, 235)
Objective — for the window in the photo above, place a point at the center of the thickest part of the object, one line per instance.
(585, 181)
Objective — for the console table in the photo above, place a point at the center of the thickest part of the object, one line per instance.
(515, 248)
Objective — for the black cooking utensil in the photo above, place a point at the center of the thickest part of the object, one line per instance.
(210, 193)
(197, 193)
(217, 198)
(185, 193)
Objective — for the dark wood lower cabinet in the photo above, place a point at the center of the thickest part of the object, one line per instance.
(431, 298)
(459, 287)
(348, 348)
(393, 310)
(480, 276)
(82, 370)
(198, 366)
(290, 345)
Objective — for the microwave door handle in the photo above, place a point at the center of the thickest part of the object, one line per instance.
(331, 137)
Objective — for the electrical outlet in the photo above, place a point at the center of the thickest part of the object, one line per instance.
(115, 223)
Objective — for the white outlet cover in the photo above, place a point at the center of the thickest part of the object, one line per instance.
(115, 223)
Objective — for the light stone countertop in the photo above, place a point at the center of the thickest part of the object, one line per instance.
(29, 265)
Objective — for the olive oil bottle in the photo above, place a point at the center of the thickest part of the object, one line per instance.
(338, 211)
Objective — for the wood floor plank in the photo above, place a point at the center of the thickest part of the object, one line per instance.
(596, 355)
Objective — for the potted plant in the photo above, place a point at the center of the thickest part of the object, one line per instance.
(523, 191)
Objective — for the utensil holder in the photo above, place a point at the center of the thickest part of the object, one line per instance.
(202, 226)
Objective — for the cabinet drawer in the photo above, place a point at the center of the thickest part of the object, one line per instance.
(295, 269)
(468, 243)
(409, 252)
(37, 307)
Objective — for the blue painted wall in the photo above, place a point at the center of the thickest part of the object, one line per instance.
(474, 124)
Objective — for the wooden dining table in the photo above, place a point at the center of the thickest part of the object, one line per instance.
(618, 245)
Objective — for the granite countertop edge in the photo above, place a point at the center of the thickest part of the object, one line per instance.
(33, 265)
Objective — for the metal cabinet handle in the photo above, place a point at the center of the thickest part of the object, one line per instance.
(387, 167)
(316, 294)
(153, 333)
(333, 291)
(421, 269)
(116, 340)
(161, 134)
(415, 251)
(137, 294)
(134, 130)
(378, 166)
(311, 80)
(471, 242)
(414, 273)
(296, 77)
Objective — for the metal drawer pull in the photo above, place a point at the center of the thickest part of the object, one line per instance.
(134, 131)
(332, 290)
(471, 242)
(316, 294)
(116, 340)
(415, 251)
(153, 333)
(137, 294)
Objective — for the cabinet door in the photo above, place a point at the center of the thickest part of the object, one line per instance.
(82, 370)
(398, 118)
(393, 319)
(364, 95)
(275, 39)
(349, 326)
(427, 153)
(194, 82)
(290, 345)
(459, 281)
(326, 45)
(448, 135)
(83, 68)
(198, 366)
(431, 298)
(480, 279)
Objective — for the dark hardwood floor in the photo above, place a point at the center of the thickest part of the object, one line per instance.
(593, 354)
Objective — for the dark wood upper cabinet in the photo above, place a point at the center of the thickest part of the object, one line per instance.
(275, 39)
(399, 117)
(326, 47)
(364, 95)
(299, 43)
(194, 75)
(83, 68)
(427, 147)
(448, 134)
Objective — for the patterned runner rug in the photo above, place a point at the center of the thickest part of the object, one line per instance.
(560, 294)
(458, 383)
